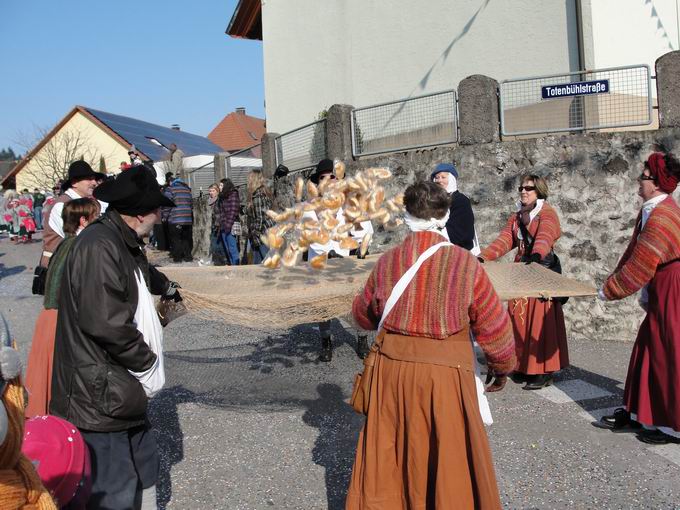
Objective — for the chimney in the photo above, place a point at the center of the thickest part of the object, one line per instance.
(241, 110)
(175, 127)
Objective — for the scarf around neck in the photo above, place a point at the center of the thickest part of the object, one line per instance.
(432, 225)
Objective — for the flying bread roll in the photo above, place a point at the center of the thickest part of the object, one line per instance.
(339, 168)
(312, 190)
(289, 256)
(273, 261)
(299, 188)
(349, 243)
(364, 244)
(319, 262)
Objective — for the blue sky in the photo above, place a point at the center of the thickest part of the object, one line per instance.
(163, 61)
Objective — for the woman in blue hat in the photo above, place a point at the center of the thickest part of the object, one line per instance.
(461, 224)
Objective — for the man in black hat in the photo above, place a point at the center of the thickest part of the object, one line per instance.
(80, 183)
(108, 357)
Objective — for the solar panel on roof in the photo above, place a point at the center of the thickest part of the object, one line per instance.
(140, 133)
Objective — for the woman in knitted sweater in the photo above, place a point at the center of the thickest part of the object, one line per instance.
(77, 214)
(423, 444)
(540, 333)
(651, 263)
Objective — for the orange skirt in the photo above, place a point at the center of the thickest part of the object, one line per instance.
(39, 367)
(423, 444)
(540, 336)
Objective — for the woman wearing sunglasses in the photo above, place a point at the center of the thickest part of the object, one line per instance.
(540, 333)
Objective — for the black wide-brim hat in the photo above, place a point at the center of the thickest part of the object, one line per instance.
(325, 166)
(133, 192)
(80, 170)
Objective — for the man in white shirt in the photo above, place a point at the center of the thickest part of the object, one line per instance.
(80, 183)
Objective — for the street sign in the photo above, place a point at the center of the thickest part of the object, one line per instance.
(580, 88)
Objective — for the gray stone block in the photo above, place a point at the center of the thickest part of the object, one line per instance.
(269, 154)
(339, 132)
(667, 69)
(478, 110)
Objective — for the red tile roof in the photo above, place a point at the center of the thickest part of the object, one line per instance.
(246, 22)
(237, 131)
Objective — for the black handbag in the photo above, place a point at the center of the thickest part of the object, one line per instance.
(551, 260)
(39, 280)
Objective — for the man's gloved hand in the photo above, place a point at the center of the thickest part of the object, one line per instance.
(172, 293)
(534, 257)
(334, 255)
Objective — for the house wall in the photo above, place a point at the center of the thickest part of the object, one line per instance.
(95, 142)
(362, 52)
(626, 32)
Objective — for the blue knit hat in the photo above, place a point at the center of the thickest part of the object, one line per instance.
(445, 167)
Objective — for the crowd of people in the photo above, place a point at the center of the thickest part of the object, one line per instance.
(96, 356)
(21, 214)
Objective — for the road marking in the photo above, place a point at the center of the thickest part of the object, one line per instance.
(573, 390)
(670, 452)
(596, 414)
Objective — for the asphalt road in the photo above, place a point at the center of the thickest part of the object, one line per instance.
(251, 420)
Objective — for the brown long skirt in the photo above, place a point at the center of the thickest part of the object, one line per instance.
(423, 444)
(540, 336)
(39, 367)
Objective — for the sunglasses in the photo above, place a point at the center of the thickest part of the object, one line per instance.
(644, 177)
(526, 188)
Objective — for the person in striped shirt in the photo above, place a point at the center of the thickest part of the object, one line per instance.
(180, 221)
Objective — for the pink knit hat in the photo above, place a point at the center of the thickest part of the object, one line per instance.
(60, 456)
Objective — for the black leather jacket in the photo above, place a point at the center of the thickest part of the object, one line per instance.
(97, 341)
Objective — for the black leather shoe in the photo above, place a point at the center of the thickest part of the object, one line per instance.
(362, 346)
(619, 420)
(536, 382)
(326, 353)
(657, 437)
(519, 377)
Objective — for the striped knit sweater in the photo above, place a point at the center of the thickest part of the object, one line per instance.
(657, 243)
(544, 228)
(180, 194)
(449, 291)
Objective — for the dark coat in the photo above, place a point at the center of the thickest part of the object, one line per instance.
(97, 341)
(461, 224)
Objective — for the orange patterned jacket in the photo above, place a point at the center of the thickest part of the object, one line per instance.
(544, 228)
(449, 291)
(658, 243)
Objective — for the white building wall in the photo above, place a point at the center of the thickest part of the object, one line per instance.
(359, 52)
(626, 32)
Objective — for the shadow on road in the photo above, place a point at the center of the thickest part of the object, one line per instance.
(165, 420)
(334, 449)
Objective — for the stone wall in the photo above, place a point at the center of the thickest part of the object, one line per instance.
(593, 187)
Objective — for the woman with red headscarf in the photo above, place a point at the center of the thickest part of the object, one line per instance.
(651, 263)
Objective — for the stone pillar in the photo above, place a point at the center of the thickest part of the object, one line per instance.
(478, 110)
(269, 154)
(339, 132)
(667, 69)
(220, 167)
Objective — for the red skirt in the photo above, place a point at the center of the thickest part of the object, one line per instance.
(540, 336)
(39, 367)
(653, 381)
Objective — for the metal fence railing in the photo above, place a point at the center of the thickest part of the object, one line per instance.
(421, 121)
(200, 178)
(600, 99)
(240, 163)
(303, 147)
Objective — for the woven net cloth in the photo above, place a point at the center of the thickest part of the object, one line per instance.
(261, 298)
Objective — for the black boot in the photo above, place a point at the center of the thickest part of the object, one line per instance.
(326, 353)
(536, 382)
(362, 346)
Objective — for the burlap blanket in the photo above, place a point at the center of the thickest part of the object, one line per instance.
(263, 298)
